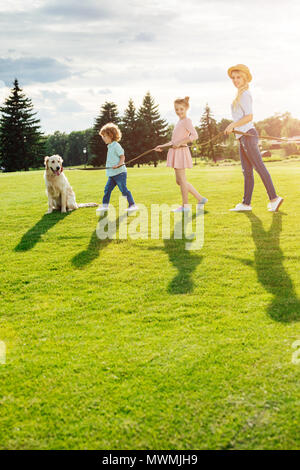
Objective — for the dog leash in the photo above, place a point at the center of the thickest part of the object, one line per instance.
(111, 167)
(146, 153)
(212, 139)
(269, 137)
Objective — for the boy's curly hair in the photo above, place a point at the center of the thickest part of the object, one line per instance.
(112, 131)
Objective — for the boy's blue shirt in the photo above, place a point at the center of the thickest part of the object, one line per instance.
(114, 152)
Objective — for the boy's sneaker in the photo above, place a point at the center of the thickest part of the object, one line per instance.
(274, 206)
(102, 209)
(132, 208)
(181, 209)
(241, 207)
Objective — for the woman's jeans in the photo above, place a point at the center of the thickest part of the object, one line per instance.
(251, 158)
(120, 181)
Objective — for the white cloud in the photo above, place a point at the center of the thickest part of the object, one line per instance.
(116, 50)
(32, 70)
(70, 10)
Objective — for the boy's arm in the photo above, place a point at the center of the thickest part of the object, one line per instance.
(122, 160)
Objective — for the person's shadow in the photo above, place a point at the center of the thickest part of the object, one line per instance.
(34, 234)
(185, 261)
(268, 263)
(96, 244)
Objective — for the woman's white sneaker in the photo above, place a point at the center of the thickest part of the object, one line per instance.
(274, 206)
(241, 207)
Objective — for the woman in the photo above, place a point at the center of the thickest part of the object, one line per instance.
(250, 155)
(179, 156)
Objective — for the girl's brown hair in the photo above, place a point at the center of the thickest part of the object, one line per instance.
(184, 101)
(112, 131)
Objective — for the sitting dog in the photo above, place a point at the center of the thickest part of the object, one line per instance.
(58, 189)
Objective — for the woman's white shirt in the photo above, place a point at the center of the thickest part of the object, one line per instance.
(244, 108)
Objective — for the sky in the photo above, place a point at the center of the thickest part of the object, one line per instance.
(70, 56)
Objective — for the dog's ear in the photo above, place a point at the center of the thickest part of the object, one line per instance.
(61, 159)
(46, 159)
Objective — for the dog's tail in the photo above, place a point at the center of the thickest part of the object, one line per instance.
(88, 204)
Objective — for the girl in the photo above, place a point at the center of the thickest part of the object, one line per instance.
(179, 156)
(250, 155)
(117, 174)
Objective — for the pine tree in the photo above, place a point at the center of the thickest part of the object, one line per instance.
(151, 129)
(208, 129)
(22, 144)
(108, 113)
(129, 127)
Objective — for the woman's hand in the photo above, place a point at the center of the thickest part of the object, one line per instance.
(116, 166)
(229, 129)
(158, 148)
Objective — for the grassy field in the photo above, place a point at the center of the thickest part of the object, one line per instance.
(141, 344)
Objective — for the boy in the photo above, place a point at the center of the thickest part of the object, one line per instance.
(117, 174)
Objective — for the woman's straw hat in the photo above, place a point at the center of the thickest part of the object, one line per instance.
(242, 68)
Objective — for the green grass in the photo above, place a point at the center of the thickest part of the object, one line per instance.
(140, 344)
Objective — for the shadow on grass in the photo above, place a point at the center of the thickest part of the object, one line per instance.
(268, 263)
(185, 261)
(92, 251)
(34, 234)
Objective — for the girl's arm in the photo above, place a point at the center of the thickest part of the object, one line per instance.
(238, 123)
(192, 131)
(159, 148)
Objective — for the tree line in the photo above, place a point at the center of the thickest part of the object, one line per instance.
(24, 146)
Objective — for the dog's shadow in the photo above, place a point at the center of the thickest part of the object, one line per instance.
(96, 244)
(34, 234)
(184, 261)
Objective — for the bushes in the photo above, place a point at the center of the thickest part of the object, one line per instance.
(290, 149)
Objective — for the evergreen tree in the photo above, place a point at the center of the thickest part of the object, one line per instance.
(129, 128)
(151, 129)
(170, 132)
(22, 144)
(108, 113)
(208, 129)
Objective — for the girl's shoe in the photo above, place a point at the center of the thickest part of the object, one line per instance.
(274, 206)
(203, 201)
(241, 207)
(102, 209)
(181, 209)
(132, 208)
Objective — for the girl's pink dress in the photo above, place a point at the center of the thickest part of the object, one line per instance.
(181, 158)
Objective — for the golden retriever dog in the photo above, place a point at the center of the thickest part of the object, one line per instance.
(58, 189)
